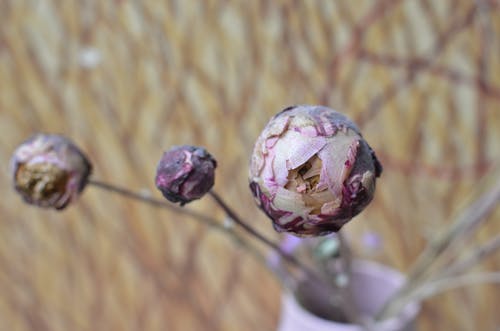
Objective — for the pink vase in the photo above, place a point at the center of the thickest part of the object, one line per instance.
(372, 284)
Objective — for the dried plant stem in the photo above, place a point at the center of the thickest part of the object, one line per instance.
(346, 309)
(275, 247)
(346, 260)
(466, 222)
(452, 276)
(345, 253)
(336, 291)
(202, 218)
(477, 255)
(449, 283)
(245, 226)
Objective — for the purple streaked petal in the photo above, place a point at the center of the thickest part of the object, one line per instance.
(335, 157)
(303, 150)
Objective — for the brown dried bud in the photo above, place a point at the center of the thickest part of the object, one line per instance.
(185, 173)
(49, 171)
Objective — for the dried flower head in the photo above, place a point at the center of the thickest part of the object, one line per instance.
(312, 171)
(49, 171)
(185, 173)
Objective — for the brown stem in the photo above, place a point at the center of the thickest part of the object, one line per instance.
(465, 223)
(204, 219)
(345, 253)
(450, 283)
(155, 202)
(290, 258)
(182, 210)
(477, 254)
(348, 310)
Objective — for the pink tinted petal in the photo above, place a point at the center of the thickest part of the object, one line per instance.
(275, 128)
(278, 164)
(334, 156)
(270, 142)
(307, 131)
(303, 150)
(288, 158)
(328, 128)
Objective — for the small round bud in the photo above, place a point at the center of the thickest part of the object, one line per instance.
(49, 171)
(185, 173)
(312, 171)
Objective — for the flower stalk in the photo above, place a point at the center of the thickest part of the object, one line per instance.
(467, 221)
(339, 294)
(202, 218)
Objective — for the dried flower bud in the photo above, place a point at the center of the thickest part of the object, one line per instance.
(312, 171)
(185, 173)
(49, 171)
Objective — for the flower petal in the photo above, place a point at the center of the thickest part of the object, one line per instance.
(336, 162)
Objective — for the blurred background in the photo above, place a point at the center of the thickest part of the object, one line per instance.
(128, 79)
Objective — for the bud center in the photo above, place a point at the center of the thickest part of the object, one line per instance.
(304, 180)
(41, 181)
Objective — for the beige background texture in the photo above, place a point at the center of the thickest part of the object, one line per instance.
(128, 79)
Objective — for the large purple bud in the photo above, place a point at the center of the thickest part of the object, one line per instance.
(311, 171)
(185, 173)
(49, 171)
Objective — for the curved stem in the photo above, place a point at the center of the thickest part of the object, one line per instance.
(199, 216)
(348, 310)
(156, 203)
(464, 224)
(182, 210)
(290, 258)
(450, 283)
(204, 219)
(212, 223)
(345, 253)
(455, 273)
(477, 254)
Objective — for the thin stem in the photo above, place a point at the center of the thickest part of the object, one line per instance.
(201, 217)
(450, 283)
(478, 254)
(345, 253)
(465, 223)
(155, 202)
(290, 258)
(182, 210)
(346, 256)
(451, 276)
(212, 223)
(346, 309)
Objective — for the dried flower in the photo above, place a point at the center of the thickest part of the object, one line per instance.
(185, 173)
(49, 171)
(312, 171)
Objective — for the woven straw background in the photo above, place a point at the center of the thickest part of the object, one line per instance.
(128, 79)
